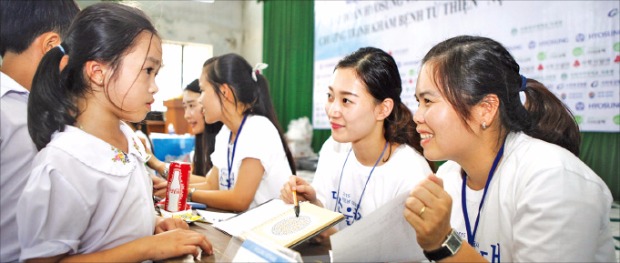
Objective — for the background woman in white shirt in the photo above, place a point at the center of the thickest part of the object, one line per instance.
(251, 159)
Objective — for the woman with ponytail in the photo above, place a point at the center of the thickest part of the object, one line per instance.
(373, 154)
(251, 159)
(513, 189)
(89, 194)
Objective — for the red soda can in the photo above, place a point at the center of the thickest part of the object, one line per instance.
(178, 180)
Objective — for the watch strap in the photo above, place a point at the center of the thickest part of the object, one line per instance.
(450, 246)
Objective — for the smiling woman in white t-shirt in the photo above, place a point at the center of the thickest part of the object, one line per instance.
(374, 152)
(514, 188)
(251, 160)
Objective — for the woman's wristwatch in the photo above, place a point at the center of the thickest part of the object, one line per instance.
(190, 193)
(450, 246)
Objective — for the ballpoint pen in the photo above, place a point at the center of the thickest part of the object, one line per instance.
(296, 203)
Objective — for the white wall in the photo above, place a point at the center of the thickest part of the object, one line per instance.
(230, 26)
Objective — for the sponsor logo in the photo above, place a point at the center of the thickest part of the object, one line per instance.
(594, 84)
(596, 50)
(610, 83)
(604, 105)
(584, 74)
(580, 106)
(527, 69)
(411, 72)
(552, 42)
(578, 51)
(561, 65)
(557, 55)
(541, 56)
(612, 12)
(537, 27)
(514, 48)
(580, 37)
(514, 31)
(576, 85)
(523, 59)
(604, 94)
(575, 95)
(578, 119)
(564, 76)
(591, 94)
(607, 72)
(617, 119)
(532, 45)
(617, 46)
(544, 78)
(596, 120)
(596, 62)
(563, 96)
(604, 34)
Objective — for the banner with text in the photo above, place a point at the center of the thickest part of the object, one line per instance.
(573, 47)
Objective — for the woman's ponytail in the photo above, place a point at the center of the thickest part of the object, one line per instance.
(50, 105)
(264, 106)
(551, 120)
(400, 128)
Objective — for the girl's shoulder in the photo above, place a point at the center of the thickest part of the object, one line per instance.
(259, 125)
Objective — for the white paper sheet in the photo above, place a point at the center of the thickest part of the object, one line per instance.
(235, 226)
(382, 236)
(214, 217)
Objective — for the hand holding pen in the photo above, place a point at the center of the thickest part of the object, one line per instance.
(303, 191)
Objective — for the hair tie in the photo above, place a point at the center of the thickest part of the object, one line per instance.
(61, 49)
(257, 68)
(523, 83)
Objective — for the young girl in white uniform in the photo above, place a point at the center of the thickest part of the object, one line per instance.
(89, 194)
(514, 189)
(371, 157)
(251, 159)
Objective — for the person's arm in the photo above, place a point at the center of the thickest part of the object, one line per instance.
(240, 196)
(432, 225)
(211, 182)
(169, 244)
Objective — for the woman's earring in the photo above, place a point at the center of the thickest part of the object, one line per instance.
(484, 125)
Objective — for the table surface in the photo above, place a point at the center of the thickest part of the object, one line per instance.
(220, 242)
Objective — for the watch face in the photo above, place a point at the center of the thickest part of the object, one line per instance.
(453, 242)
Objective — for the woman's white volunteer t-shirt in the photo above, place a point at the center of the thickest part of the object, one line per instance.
(403, 171)
(543, 204)
(259, 139)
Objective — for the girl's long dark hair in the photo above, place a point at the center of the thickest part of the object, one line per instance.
(101, 32)
(205, 141)
(467, 68)
(235, 71)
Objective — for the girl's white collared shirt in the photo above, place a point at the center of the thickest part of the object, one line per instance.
(84, 196)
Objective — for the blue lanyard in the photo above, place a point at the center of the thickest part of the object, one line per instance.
(472, 235)
(230, 160)
(367, 180)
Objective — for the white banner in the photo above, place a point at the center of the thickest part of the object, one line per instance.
(573, 47)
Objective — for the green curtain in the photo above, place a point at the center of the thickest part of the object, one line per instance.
(288, 48)
(600, 151)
